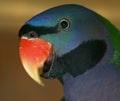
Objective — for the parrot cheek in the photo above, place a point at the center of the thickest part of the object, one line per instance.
(33, 54)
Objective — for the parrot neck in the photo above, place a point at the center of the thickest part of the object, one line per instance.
(106, 60)
(114, 36)
(94, 83)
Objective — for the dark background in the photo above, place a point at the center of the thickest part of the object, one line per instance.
(15, 84)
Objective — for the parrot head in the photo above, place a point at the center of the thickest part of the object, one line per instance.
(51, 38)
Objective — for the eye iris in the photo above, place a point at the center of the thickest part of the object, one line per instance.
(64, 24)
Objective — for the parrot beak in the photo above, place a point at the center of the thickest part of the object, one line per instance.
(33, 54)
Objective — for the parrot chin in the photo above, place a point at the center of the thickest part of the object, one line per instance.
(37, 56)
(48, 65)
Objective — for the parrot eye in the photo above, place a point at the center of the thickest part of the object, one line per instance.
(32, 34)
(64, 24)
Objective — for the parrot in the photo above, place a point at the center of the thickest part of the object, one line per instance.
(77, 46)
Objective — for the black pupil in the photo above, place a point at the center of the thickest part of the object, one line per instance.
(64, 24)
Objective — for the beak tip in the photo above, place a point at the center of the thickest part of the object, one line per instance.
(40, 83)
(33, 73)
(37, 79)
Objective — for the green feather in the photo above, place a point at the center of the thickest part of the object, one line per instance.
(115, 39)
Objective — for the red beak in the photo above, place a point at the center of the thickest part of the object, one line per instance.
(33, 53)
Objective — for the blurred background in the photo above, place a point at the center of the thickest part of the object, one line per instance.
(15, 84)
